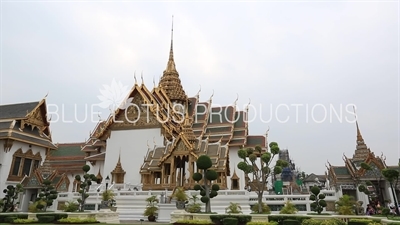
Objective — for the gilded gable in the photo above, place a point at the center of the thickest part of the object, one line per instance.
(135, 114)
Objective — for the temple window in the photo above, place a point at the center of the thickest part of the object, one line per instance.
(118, 174)
(235, 184)
(235, 181)
(16, 166)
(26, 169)
(23, 164)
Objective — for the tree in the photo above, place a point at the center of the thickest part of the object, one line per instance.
(392, 176)
(318, 198)
(12, 194)
(84, 185)
(47, 195)
(260, 171)
(207, 190)
(363, 186)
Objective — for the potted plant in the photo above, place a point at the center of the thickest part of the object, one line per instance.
(194, 206)
(151, 208)
(108, 201)
(233, 208)
(181, 198)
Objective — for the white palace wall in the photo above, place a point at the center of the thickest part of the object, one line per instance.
(132, 146)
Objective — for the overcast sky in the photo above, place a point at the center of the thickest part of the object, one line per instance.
(330, 54)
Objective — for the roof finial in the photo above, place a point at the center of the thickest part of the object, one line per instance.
(212, 95)
(359, 136)
(172, 29)
(248, 105)
(134, 77)
(154, 81)
(141, 77)
(198, 93)
(237, 98)
(171, 63)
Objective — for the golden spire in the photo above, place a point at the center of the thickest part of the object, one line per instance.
(359, 136)
(118, 167)
(171, 62)
(170, 81)
(362, 150)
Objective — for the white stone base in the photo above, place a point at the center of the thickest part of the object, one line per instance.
(164, 212)
(180, 214)
(107, 217)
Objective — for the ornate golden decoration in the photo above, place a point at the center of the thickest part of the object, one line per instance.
(136, 115)
(36, 118)
(8, 143)
(118, 174)
(170, 80)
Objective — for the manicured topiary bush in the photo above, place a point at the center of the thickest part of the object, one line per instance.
(84, 185)
(207, 175)
(9, 201)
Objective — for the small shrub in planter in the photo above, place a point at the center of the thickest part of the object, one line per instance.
(71, 206)
(194, 206)
(24, 221)
(289, 208)
(230, 221)
(265, 209)
(233, 208)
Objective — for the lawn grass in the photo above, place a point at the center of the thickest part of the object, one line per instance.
(144, 223)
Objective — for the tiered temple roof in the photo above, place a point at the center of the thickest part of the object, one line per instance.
(68, 158)
(26, 122)
(351, 171)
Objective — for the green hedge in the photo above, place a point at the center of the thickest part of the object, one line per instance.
(280, 219)
(218, 219)
(56, 216)
(291, 222)
(10, 219)
(230, 221)
(3, 216)
(46, 219)
(360, 221)
(334, 221)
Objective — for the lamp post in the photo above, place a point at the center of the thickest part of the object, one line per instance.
(97, 200)
(107, 181)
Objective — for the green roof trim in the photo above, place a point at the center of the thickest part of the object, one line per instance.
(341, 170)
(68, 150)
